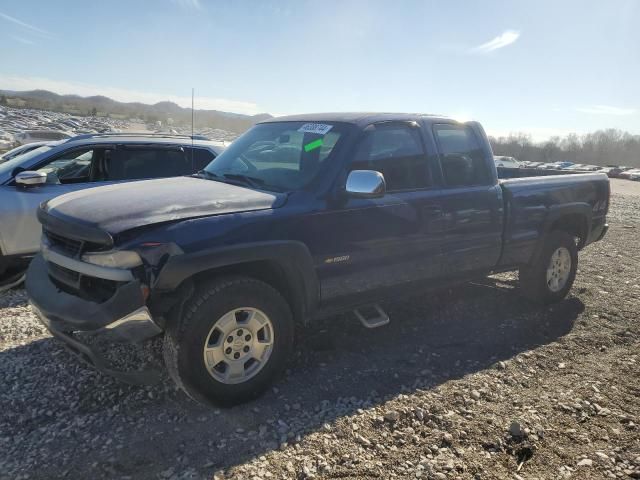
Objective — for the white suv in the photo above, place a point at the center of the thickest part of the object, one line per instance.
(506, 162)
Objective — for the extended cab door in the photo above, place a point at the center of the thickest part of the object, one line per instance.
(370, 244)
(471, 199)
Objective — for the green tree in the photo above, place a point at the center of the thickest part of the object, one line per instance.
(94, 111)
(3, 100)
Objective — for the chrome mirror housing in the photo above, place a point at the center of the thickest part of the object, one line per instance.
(30, 178)
(365, 184)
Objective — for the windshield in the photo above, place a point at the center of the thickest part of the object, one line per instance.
(282, 156)
(19, 160)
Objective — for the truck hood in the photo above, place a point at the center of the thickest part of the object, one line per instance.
(120, 207)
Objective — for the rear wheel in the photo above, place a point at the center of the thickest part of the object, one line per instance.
(231, 342)
(550, 277)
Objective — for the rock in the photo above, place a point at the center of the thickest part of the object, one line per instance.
(475, 394)
(447, 438)
(516, 430)
(585, 462)
(501, 365)
(392, 416)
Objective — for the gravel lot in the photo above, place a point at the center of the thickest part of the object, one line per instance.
(470, 383)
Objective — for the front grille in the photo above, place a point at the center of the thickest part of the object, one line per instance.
(69, 246)
(66, 280)
(63, 274)
(84, 286)
(69, 281)
(98, 289)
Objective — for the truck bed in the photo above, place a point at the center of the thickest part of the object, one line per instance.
(533, 204)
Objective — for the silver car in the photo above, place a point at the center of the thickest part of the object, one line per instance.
(83, 162)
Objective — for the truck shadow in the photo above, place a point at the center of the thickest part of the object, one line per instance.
(338, 367)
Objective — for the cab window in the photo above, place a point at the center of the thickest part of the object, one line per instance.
(461, 156)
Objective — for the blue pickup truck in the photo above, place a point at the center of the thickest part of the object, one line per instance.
(301, 217)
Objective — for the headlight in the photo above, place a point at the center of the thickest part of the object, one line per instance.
(114, 259)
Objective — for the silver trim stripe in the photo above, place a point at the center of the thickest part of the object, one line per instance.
(107, 273)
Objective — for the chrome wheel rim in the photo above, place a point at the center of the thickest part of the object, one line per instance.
(559, 269)
(238, 345)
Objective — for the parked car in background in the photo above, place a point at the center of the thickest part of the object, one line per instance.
(532, 164)
(615, 172)
(7, 141)
(562, 165)
(79, 163)
(376, 206)
(31, 136)
(506, 162)
(27, 147)
(548, 166)
(576, 166)
(631, 174)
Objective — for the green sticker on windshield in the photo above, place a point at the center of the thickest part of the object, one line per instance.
(313, 145)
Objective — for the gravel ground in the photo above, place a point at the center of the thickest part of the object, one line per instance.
(470, 383)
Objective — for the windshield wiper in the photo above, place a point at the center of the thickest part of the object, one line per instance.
(251, 181)
(208, 175)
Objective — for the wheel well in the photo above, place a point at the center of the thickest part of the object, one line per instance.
(268, 271)
(574, 224)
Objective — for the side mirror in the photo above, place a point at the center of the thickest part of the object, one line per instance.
(365, 184)
(29, 178)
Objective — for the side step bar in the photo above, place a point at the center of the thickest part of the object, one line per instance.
(379, 319)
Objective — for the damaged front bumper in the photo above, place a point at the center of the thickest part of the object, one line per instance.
(124, 315)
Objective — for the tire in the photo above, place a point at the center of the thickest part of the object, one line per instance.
(534, 281)
(208, 319)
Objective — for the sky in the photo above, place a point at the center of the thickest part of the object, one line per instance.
(545, 67)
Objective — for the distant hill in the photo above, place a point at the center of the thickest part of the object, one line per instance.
(103, 106)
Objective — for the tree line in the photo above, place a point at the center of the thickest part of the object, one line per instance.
(602, 147)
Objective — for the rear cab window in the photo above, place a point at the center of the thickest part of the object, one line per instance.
(461, 156)
(397, 152)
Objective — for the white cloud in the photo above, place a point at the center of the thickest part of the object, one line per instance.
(22, 24)
(506, 38)
(26, 41)
(195, 4)
(12, 82)
(606, 110)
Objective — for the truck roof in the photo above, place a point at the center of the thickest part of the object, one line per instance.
(358, 118)
(142, 138)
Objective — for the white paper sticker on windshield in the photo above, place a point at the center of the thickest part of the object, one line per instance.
(317, 128)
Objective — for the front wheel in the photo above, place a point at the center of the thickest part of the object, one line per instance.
(551, 275)
(231, 342)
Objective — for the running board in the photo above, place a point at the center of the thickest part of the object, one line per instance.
(373, 322)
